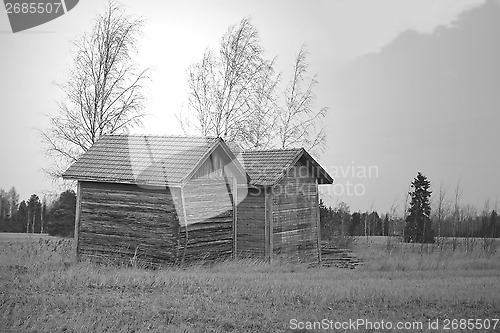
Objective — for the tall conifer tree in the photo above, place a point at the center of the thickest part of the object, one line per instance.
(418, 227)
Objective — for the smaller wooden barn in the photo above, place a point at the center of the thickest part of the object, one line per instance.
(162, 199)
(279, 215)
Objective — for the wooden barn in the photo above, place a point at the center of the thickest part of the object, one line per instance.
(158, 199)
(168, 199)
(279, 216)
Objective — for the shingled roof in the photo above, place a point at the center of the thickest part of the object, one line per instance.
(140, 159)
(170, 160)
(268, 167)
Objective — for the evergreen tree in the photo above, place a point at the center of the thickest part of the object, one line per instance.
(385, 226)
(60, 220)
(484, 231)
(22, 216)
(375, 224)
(8, 211)
(34, 213)
(355, 223)
(493, 232)
(418, 227)
(327, 220)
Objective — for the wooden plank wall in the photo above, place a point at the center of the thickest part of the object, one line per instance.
(209, 212)
(251, 224)
(295, 234)
(120, 221)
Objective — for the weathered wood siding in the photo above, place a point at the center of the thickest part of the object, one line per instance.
(251, 224)
(209, 212)
(294, 215)
(120, 221)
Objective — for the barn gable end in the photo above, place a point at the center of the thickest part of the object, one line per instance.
(285, 183)
(295, 233)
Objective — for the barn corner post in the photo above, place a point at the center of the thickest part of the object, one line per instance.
(77, 219)
(269, 234)
(235, 218)
(318, 223)
(184, 213)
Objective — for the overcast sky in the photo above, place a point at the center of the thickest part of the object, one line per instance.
(410, 85)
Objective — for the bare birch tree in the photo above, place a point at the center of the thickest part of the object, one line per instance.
(234, 94)
(300, 124)
(231, 93)
(103, 94)
(441, 208)
(456, 212)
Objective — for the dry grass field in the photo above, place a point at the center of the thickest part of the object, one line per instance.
(43, 290)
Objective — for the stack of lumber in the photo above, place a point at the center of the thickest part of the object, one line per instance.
(343, 258)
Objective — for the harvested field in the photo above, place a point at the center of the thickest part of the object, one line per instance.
(44, 291)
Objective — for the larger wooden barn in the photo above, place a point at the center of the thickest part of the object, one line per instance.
(157, 198)
(167, 199)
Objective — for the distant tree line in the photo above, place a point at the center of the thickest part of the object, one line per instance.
(418, 223)
(468, 222)
(37, 216)
(339, 221)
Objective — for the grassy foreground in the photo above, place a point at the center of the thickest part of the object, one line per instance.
(41, 290)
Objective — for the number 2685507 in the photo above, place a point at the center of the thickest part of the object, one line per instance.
(33, 8)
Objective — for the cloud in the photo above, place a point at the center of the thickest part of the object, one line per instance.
(358, 27)
(430, 101)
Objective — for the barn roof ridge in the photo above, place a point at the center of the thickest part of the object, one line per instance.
(272, 150)
(161, 135)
